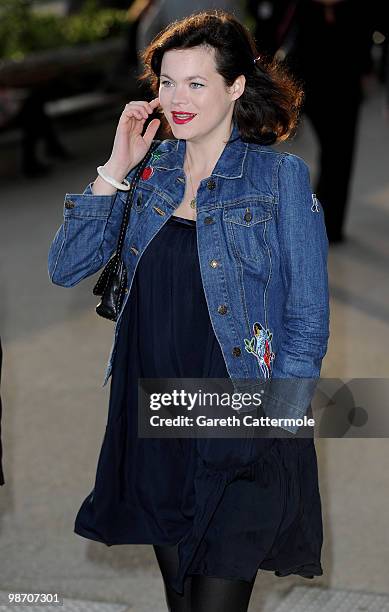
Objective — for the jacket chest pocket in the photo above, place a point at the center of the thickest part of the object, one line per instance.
(140, 200)
(246, 227)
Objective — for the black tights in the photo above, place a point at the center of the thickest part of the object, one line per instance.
(201, 593)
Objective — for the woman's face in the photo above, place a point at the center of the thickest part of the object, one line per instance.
(190, 84)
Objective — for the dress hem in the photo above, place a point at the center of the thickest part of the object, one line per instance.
(315, 570)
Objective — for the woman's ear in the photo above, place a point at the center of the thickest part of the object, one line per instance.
(237, 88)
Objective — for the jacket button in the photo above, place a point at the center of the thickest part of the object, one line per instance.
(208, 220)
(248, 216)
(134, 250)
(211, 184)
(236, 351)
(222, 309)
(214, 263)
(69, 204)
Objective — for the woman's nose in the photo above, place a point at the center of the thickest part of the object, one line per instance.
(180, 96)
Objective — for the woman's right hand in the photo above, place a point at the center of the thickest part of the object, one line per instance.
(129, 145)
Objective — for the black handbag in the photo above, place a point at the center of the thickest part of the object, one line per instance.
(112, 282)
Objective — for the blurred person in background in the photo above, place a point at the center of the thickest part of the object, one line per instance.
(25, 109)
(23, 100)
(327, 43)
(270, 19)
(38, 126)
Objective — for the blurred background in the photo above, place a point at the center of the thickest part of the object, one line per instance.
(67, 67)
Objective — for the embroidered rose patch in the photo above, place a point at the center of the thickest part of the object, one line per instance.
(149, 170)
(147, 173)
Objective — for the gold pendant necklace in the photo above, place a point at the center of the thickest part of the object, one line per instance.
(193, 201)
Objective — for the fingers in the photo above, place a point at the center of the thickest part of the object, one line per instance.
(151, 131)
(141, 109)
(137, 110)
(154, 103)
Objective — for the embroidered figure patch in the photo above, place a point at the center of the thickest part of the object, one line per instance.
(260, 346)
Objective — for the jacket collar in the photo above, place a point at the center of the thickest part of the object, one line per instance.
(229, 165)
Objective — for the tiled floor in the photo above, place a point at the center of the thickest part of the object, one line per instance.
(299, 599)
(66, 605)
(305, 599)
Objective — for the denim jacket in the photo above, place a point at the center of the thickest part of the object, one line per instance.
(262, 248)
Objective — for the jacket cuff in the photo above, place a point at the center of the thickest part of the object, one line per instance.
(88, 205)
(288, 398)
(281, 398)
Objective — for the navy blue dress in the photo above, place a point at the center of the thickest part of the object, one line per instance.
(233, 506)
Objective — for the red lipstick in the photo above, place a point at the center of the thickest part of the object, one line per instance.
(181, 118)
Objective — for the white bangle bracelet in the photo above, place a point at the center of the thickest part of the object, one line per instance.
(124, 186)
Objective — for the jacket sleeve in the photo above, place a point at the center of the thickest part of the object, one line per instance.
(87, 237)
(303, 248)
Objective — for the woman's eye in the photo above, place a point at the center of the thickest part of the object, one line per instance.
(166, 83)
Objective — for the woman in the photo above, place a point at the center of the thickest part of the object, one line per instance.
(232, 285)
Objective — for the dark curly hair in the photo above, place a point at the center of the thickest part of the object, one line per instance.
(268, 110)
